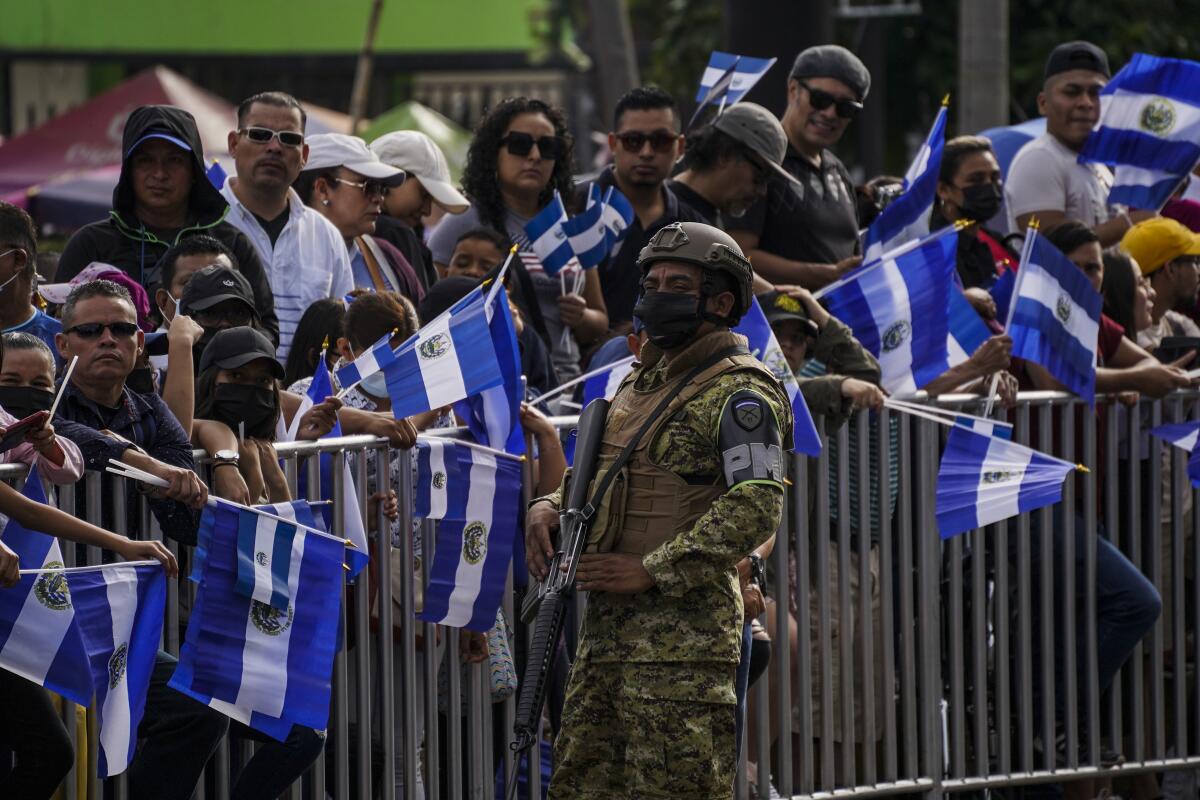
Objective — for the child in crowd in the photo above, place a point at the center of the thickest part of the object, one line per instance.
(476, 253)
(26, 387)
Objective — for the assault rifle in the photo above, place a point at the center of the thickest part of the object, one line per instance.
(546, 605)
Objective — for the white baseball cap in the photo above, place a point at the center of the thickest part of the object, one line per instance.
(419, 156)
(328, 150)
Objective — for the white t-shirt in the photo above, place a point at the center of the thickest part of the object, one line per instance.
(1172, 324)
(1045, 176)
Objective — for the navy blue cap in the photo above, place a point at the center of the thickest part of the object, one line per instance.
(175, 140)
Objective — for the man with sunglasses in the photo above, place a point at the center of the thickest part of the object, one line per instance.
(161, 198)
(805, 231)
(303, 253)
(645, 144)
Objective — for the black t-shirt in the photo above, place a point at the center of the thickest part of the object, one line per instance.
(815, 222)
(686, 194)
(274, 227)
(619, 274)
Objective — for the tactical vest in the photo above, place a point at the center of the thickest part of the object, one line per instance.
(646, 504)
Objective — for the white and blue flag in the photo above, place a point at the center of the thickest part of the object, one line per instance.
(604, 383)
(449, 359)
(729, 76)
(441, 486)
(967, 330)
(369, 361)
(765, 347)
(470, 562)
(587, 232)
(273, 667)
(494, 415)
(617, 216)
(38, 637)
(1055, 318)
(907, 217)
(548, 238)
(119, 611)
(1149, 129)
(899, 311)
(264, 559)
(985, 479)
(1185, 436)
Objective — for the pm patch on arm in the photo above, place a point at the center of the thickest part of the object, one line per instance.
(749, 440)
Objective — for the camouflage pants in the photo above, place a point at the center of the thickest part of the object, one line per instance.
(625, 733)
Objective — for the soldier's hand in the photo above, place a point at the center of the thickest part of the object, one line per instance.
(753, 602)
(541, 521)
(620, 573)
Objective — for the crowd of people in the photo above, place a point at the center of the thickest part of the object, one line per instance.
(196, 315)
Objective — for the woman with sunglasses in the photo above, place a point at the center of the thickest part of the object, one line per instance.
(520, 156)
(346, 183)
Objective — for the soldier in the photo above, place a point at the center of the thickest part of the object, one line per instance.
(650, 703)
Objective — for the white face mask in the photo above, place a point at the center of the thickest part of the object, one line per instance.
(15, 274)
(375, 385)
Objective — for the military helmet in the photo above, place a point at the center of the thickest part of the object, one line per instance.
(706, 247)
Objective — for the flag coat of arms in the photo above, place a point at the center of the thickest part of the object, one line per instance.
(899, 311)
(985, 479)
(470, 563)
(1149, 129)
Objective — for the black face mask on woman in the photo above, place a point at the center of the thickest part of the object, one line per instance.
(236, 404)
(21, 401)
(981, 201)
(670, 319)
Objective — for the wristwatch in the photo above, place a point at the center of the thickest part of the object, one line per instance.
(758, 572)
(223, 457)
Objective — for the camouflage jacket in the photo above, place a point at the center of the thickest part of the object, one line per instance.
(843, 358)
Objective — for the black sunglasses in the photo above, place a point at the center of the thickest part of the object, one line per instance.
(660, 141)
(93, 330)
(821, 100)
(550, 148)
(264, 135)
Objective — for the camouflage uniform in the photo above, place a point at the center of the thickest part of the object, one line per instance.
(650, 703)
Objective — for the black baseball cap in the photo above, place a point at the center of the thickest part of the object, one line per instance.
(236, 347)
(1076, 55)
(778, 307)
(214, 284)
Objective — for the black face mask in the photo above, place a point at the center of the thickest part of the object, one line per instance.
(670, 319)
(236, 403)
(981, 201)
(21, 401)
(141, 380)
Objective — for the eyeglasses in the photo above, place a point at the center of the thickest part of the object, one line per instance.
(821, 100)
(93, 330)
(371, 188)
(660, 141)
(550, 148)
(265, 135)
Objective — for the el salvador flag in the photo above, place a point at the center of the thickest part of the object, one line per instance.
(1184, 435)
(1055, 318)
(470, 563)
(449, 359)
(494, 415)
(899, 311)
(1149, 129)
(273, 666)
(984, 479)
(587, 233)
(264, 556)
(617, 217)
(967, 330)
(350, 526)
(119, 611)
(907, 217)
(605, 384)
(441, 486)
(729, 76)
(39, 639)
(547, 237)
(1001, 292)
(370, 361)
(765, 347)
(216, 175)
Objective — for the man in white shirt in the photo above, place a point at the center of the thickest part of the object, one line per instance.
(303, 253)
(1045, 180)
(1169, 255)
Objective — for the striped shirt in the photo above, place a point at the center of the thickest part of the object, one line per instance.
(308, 262)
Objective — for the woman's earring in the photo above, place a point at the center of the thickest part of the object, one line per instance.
(325, 202)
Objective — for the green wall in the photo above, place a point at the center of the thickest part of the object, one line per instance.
(269, 26)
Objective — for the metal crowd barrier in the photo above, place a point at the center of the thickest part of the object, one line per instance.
(943, 681)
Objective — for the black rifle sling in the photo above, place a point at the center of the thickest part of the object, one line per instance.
(589, 510)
